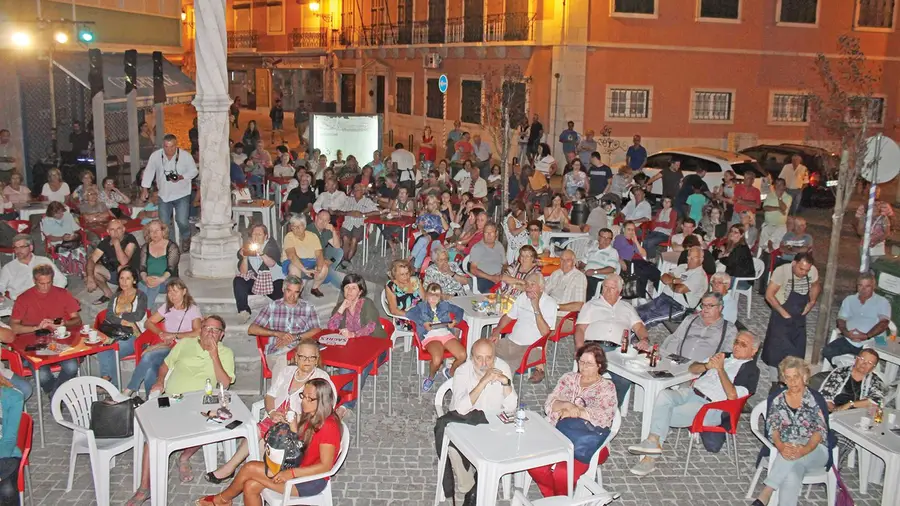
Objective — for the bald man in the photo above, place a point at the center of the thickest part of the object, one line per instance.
(567, 285)
(113, 252)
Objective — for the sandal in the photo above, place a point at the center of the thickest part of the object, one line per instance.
(141, 496)
(185, 472)
(209, 500)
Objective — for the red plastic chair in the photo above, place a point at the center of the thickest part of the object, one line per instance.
(265, 373)
(776, 253)
(147, 338)
(24, 441)
(422, 354)
(51, 249)
(21, 227)
(17, 365)
(733, 408)
(643, 229)
(525, 365)
(340, 381)
(560, 333)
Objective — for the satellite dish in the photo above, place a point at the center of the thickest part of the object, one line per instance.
(882, 161)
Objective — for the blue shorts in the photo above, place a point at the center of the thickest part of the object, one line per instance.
(311, 488)
(308, 263)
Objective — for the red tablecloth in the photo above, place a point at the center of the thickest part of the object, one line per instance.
(357, 353)
(396, 221)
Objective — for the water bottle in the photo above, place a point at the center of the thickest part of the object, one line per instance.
(209, 389)
(520, 418)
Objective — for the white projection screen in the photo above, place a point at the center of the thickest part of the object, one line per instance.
(353, 134)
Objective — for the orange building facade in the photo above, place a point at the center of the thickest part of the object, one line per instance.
(718, 73)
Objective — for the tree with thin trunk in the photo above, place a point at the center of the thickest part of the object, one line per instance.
(504, 100)
(841, 108)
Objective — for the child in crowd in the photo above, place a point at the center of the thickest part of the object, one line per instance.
(695, 203)
(150, 211)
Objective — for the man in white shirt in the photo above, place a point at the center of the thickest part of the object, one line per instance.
(721, 378)
(9, 156)
(688, 226)
(482, 156)
(777, 205)
(16, 276)
(607, 317)
(863, 316)
(796, 176)
(331, 199)
(173, 169)
(406, 165)
(680, 293)
(356, 209)
(600, 261)
(535, 315)
(637, 209)
(567, 285)
(478, 185)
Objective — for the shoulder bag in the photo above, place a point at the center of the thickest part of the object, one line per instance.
(586, 438)
(114, 420)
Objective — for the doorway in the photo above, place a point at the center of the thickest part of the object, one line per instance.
(348, 93)
(379, 94)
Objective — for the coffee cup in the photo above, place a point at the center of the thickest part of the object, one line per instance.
(865, 423)
(85, 328)
(60, 332)
(93, 335)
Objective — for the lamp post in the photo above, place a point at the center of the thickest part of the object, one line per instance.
(327, 72)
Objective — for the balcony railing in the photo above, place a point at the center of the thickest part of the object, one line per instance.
(511, 26)
(242, 39)
(309, 39)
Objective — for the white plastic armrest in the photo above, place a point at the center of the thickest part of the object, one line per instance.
(518, 499)
(257, 409)
(305, 479)
(77, 428)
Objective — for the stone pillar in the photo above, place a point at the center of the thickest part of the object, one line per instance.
(213, 250)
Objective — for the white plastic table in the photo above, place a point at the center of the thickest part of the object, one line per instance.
(651, 386)
(32, 209)
(878, 441)
(477, 320)
(890, 353)
(266, 210)
(180, 426)
(496, 449)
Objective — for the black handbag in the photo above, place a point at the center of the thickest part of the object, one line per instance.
(69, 245)
(630, 285)
(116, 331)
(114, 420)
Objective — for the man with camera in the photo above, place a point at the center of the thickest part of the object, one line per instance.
(172, 169)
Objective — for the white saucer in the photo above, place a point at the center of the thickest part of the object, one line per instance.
(68, 334)
(93, 342)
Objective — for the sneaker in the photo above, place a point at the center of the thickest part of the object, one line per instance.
(644, 467)
(245, 316)
(427, 384)
(646, 447)
(101, 301)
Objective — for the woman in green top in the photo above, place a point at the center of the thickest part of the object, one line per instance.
(159, 260)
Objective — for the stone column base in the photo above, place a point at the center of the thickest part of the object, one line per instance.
(213, 256)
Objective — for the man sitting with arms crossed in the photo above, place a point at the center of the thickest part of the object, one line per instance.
(191, 362)
(567, 285)
(600, 261)
(484, 382)
(112, 253)
(680, 293)
(16, 276)
(45, 306)
(723, 376)
(862, 317)
(535, 315)
(287, 321)
(606, 318)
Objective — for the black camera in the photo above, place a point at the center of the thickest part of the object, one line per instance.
(171, 177)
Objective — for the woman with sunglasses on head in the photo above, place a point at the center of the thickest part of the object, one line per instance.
(318, 428)
(736, 256)
(283, 396)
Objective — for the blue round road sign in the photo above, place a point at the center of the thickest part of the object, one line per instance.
(442, 83)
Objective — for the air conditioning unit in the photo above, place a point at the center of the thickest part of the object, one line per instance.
(432, 61)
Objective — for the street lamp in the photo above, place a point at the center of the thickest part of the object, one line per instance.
(61, 37)
(21, 39)
(314, 6)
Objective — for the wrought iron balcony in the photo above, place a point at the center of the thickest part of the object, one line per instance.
(309, 39)
(511, 26)
(242, 39)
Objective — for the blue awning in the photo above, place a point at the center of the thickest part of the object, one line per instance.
(179, 87)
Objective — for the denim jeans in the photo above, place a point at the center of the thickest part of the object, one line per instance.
(107, 359)
(23, 385)
(786, 476)
(652, 242)
(622, 385)
(796, 195)
(151, 293)
(147, 370)
(677, 408)
(660, 309)
(182, 208)
(365, 374)
(67, 370)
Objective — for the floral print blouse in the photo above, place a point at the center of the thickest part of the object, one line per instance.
(796, 426)
(405, 300)
(599, 399)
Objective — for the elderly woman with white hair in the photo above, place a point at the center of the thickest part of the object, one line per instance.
(720, 283)
(302, 256)
(448, 275)
(535, 316)
(797, 426)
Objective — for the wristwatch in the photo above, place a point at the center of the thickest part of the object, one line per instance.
(506, 381)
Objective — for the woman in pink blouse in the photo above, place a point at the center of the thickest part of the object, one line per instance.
(584, 394)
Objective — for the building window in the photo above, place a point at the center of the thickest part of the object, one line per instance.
(798, 11)
(875, 14)
(241, 16)
(712, 106)
(790, 108)
(471, 102)
(634, 7)
(275, 17)
(628, 103)
(404, 95)
(434, 100)
(720, 9)
(876, 112)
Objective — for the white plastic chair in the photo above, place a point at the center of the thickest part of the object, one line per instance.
(465, 268)
(826, 477)
(759, 268)
(399, 334)
(579, 245)
(587, 493)
(445, 387)
(78, 394)
(323, 498)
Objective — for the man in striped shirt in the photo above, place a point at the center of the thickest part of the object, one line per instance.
(355, 210)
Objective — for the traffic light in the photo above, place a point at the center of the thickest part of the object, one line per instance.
(130, 70)
(159, 86)
(85, 34)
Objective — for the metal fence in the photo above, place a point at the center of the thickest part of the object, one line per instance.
(242, 39)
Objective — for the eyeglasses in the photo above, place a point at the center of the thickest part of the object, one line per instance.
(210, 328)
(304, 358)
(304, 397)
(582, 363)
(864, 361)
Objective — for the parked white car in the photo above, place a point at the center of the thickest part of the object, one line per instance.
(715, 161)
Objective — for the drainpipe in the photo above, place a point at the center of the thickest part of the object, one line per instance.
(552, 141)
